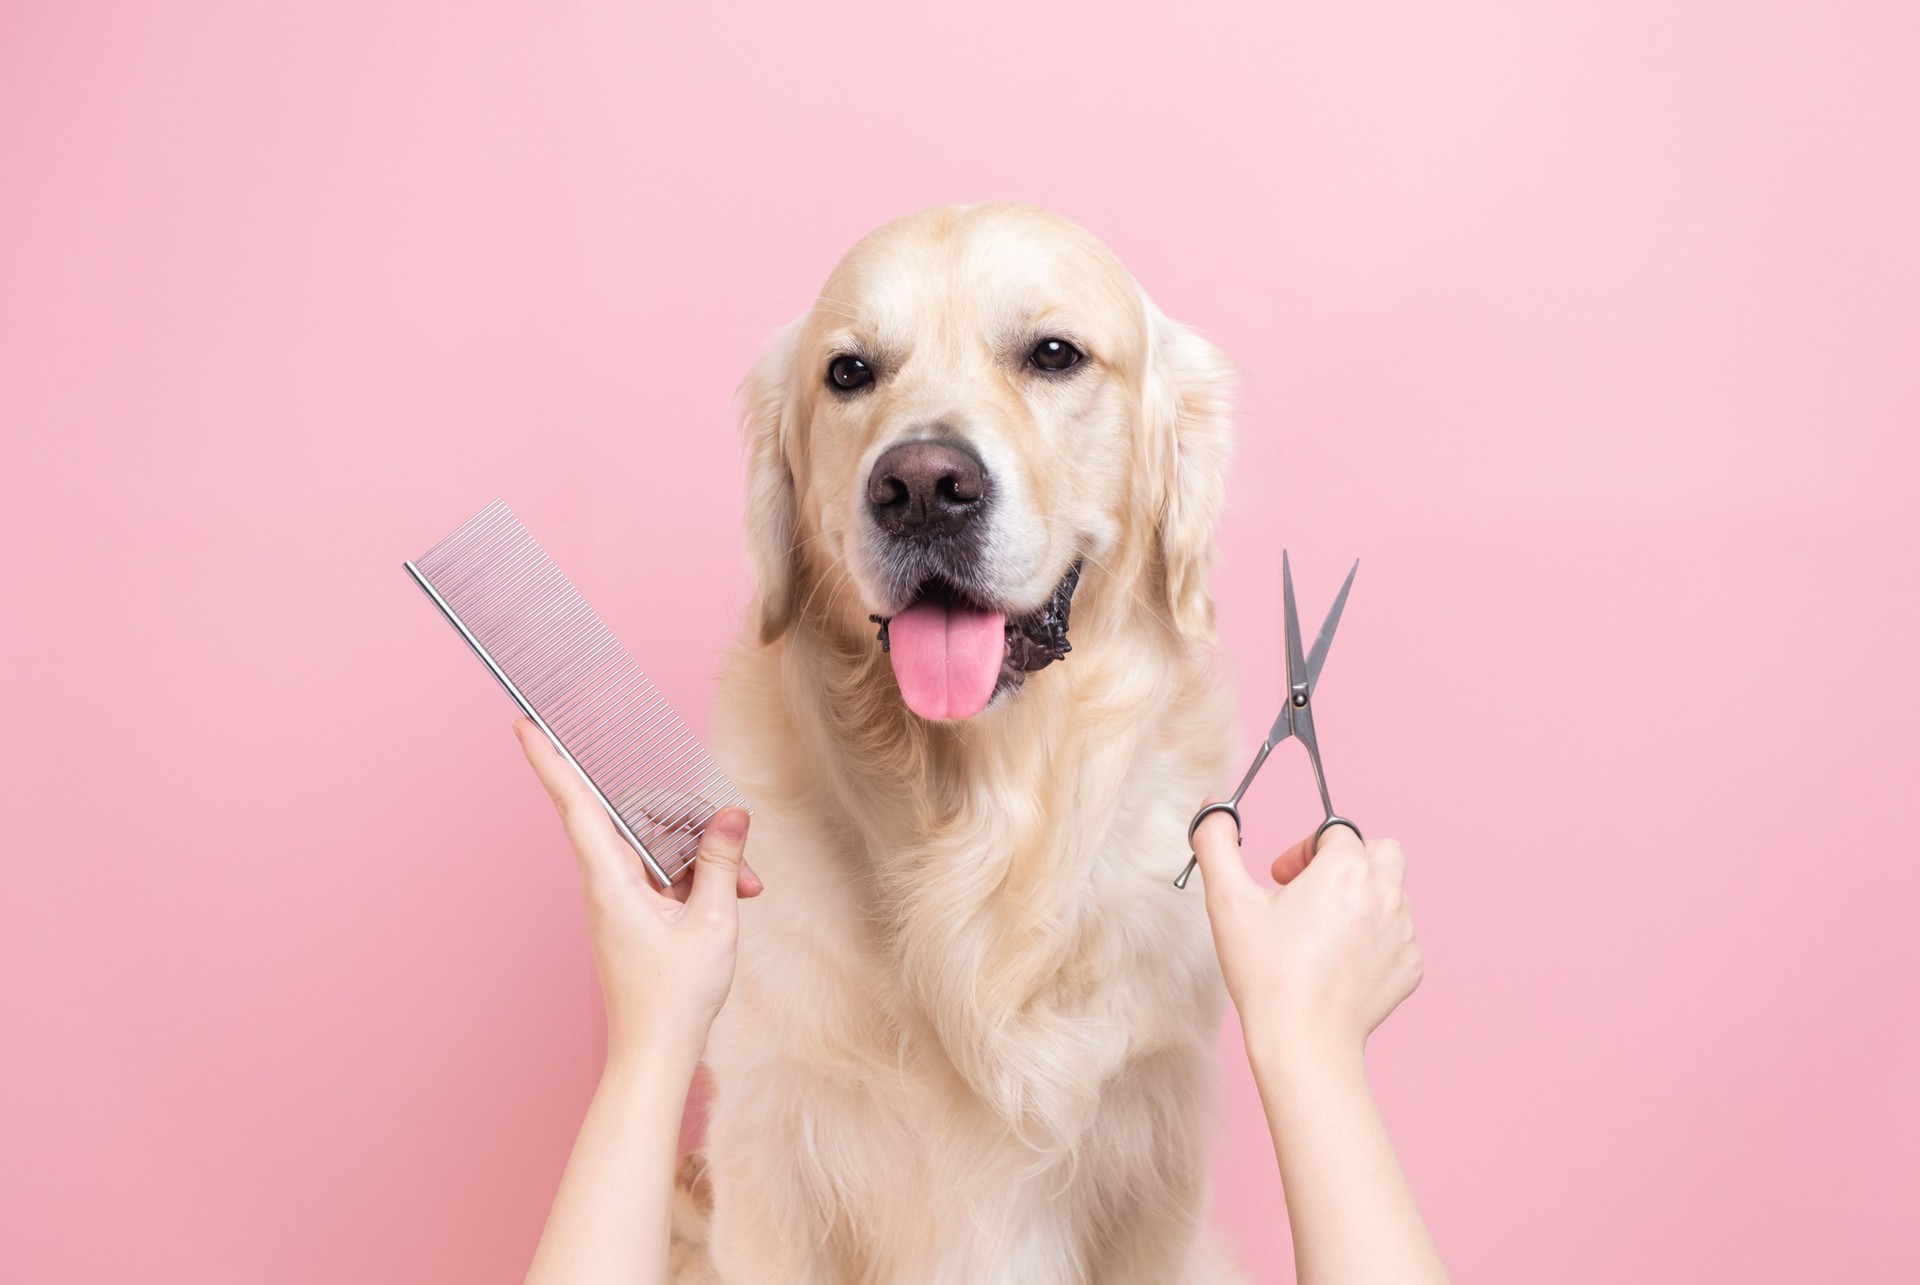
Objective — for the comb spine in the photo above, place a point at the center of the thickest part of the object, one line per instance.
(526, 707)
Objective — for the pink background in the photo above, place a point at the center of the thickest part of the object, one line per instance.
(1592, 329)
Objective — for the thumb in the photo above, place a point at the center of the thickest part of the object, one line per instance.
(1217, 845)
(716, 862)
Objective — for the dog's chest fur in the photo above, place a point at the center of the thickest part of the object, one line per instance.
(971, 1037)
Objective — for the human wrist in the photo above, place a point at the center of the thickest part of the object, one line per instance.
(1300, 1055)
(659, 1064)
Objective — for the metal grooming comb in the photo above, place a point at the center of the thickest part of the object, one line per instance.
(570, 675)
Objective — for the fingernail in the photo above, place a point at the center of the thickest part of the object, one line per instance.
(751, 879)
(729, 824)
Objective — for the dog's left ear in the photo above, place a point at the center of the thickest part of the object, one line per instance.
(1187, 398)
(767, 412)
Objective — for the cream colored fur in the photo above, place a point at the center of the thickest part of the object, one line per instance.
(971, 1041)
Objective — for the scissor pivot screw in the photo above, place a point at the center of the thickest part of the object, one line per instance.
(1299, 700)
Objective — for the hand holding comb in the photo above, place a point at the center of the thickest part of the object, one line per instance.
(568, 673)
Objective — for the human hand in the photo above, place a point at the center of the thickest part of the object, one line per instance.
(665, 959)
(1315, 965)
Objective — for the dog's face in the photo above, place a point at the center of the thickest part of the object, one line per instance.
(981, 405)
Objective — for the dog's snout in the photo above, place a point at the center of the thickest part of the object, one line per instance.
(926, 488)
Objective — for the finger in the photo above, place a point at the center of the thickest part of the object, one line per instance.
(547, 765)
(590, 830)
(1388, 859)
(746, 884)
(1217, 844)
(1336, 851)
(1291, 862)
(688, 812)
(1340, 838)
(718, 861)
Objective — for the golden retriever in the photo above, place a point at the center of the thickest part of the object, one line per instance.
(971, 1041)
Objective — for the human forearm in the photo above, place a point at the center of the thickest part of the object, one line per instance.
(1313, 967)
(610, 1217)
(1353, 1215)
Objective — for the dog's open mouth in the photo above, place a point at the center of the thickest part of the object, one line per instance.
(952, 656)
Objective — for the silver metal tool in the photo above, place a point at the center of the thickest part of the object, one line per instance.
(1296, 715)
(568, 673)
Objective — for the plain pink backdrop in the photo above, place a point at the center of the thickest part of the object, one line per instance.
(1591, 329)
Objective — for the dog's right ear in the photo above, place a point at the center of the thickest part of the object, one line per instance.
(767, 411)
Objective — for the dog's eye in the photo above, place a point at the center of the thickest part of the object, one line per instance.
(848, 373)
(1055, 354)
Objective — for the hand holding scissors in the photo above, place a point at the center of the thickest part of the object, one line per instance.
(1296, 715)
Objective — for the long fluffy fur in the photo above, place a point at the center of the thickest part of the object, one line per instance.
(972, 1033)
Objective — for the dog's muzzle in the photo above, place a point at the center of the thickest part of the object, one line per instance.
(957, 650)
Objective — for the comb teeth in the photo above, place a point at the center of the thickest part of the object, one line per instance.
(568, 673)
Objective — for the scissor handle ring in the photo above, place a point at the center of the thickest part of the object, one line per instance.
(1332, 821)
(1198, 817)
(1211, 808)
(1234, 812)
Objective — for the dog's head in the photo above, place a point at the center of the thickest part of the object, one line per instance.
(982, 410)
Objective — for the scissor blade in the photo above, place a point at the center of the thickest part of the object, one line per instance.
(1282, 724)
(1318, 656)
(1296, 660)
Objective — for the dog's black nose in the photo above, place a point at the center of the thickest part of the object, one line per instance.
(926, 488)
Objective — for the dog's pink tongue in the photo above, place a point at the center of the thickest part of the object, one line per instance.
(946, 658)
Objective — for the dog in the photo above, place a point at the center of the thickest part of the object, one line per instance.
(972, 1033)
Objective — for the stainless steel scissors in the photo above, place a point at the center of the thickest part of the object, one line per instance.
(1296, 716)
